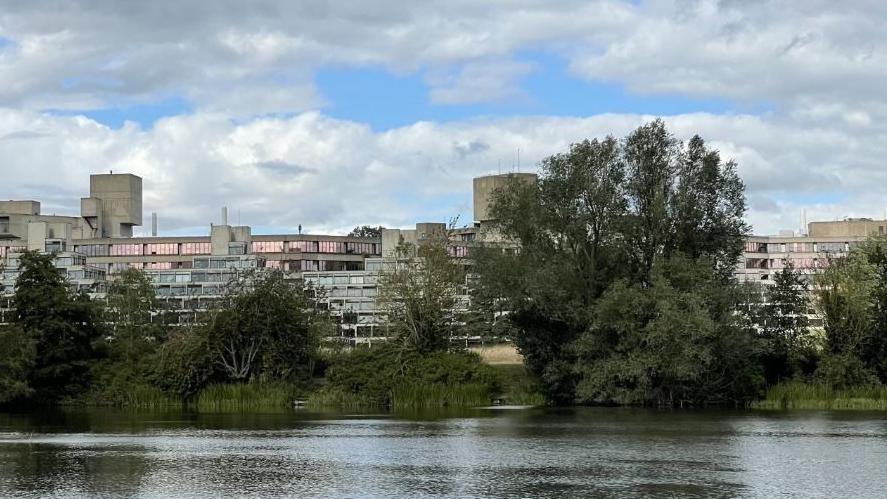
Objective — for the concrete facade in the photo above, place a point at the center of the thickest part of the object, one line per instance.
(485, 187)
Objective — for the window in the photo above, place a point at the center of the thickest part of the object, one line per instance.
(458, 251)
(272, 264)
(304, 246)
(162, 249)
(309, 265)
(267, 247)
(126, 249)
(92, 249)
(361, 248)
(330, 247)
(159, 265)
(196, 248)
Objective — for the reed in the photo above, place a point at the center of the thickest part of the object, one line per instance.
(432, 396)
(519, 386)
(246, 397)
(799, 395)
(340, 399)
(149, 397)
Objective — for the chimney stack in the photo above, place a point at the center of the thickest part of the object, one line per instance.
(224, 215)
(154, 224)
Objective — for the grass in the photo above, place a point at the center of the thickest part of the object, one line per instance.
(519, 387)
(149, 397)
(433, 396)
(406, 396)
(246, 397)
(798, 395)
(327, 398)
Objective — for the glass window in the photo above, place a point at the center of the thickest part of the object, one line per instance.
(159, 265)
(267, 246)
(92, 249)
(304, 246)
(330, 247)
(162, 249)
(126, 249)
(196, 248)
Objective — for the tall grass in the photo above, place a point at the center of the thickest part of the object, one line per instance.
(433, 396)
(335, 398)
(246, 397)
(149, 397)
(798, 395)
(406, 396)
(519, 387)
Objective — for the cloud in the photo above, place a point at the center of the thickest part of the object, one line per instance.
(284, 168)
(329, 175)
(804, 80)
(474, 82)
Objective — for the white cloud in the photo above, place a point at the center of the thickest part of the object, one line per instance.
(816, 66)
(481, 81)
(329, 175)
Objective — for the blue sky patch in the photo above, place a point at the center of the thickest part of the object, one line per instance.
(143, 114)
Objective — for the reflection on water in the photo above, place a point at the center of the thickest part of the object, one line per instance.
(526, 453)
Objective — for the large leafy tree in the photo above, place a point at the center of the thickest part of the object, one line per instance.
(17, 358)
(784, 324)
(419, 293)
(602, 227)
(132, 305)
(63, 326)
(266, 327)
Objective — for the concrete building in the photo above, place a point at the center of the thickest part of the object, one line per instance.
(763, 256)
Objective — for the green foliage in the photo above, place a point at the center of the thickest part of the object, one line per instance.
(63, 328)
(366, 231)
(267, 327)
(17, 358)
(388, 376)
(419, 295)
(789, 348)
(824, 396)
(518, 385)
(661, 344)
(236, 397)
(184, 364)
(621, 290)
(131, 306)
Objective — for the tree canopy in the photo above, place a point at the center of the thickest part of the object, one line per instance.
(627, 248)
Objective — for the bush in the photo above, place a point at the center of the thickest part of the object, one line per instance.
(843, 371)
(386, 376)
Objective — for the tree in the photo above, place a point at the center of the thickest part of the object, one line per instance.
(17, 358)
(267, 326)
(617, 213)
(131, 305)
(62, 325)
(419, 294)
(784, 324)
(366, 231)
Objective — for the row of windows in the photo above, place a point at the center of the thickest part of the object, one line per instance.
(816, 247)
(130, 249)
(204, 248)
(328, 265)
(328, 281)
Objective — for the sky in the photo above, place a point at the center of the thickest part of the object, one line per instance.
(333, 114)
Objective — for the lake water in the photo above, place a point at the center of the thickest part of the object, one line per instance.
(481, 453)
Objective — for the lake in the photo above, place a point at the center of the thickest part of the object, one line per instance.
(540, 452)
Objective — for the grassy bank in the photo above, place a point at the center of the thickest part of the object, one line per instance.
(518, 386)
(798, 395)
(246, 397)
